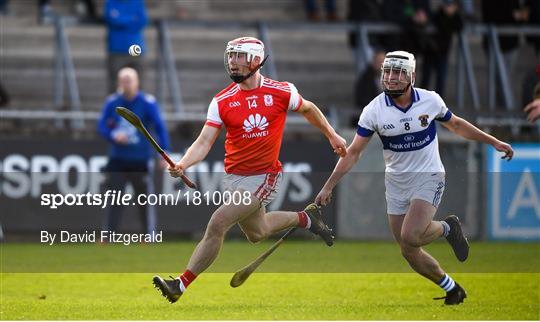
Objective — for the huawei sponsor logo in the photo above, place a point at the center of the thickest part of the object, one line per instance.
(255, 121)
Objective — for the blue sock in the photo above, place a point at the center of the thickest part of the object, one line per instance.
(446, 228)
(447, 283)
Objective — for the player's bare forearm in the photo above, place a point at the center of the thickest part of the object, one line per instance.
(200, 148)
(315, 117)
(342, 167)
(345, 164)
(194, 154)
(468, 131)
(465, 129)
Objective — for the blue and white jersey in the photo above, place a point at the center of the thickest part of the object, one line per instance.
(408, 135)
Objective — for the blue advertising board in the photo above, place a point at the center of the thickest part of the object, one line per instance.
(513, 189)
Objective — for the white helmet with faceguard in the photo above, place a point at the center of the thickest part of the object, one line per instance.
(397, 69)
(250, 47)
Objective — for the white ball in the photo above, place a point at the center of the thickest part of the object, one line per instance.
(135, 50)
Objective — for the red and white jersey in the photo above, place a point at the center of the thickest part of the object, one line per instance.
(254, 120)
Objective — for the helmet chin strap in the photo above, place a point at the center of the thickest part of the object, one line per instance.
(241, 78)
(397, 93)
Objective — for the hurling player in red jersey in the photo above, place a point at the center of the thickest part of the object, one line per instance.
(252, 110)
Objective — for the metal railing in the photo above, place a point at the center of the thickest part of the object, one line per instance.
(168, 78)
(464, 64)
(166, 68)
(167, 75)
(176, 117)
(64, 70)
(496, 67)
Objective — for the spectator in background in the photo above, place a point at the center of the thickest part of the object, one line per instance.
(447, 21)
(468, 11)
(87, 9)
(368, 84)
(312, 10)
(46, 13)
(533, 15)
(505, 12)
(413, 17)
(126, 20)
(364, 11)
(131, 154)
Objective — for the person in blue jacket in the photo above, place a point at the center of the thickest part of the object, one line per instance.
(125, 20)
(130, 154)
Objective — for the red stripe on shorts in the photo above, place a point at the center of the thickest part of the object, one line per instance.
(256, 194)
(264, 191)
(272, 183)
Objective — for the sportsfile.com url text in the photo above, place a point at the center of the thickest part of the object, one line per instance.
(118, 198)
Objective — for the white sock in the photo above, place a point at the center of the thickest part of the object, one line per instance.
(301, 216)
(181, 284)
(446, 228)
(447, 283)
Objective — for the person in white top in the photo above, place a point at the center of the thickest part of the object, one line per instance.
(404, 118)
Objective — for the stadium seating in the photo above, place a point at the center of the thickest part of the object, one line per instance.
(318, 61)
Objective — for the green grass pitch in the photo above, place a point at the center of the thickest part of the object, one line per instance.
(301, 281)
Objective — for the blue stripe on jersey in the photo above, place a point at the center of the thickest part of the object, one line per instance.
(362, 131)
(446, 117)
(390, 102)
(409, 141)
(415, 98)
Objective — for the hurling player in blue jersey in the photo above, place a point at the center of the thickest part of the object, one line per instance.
(404, 118)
